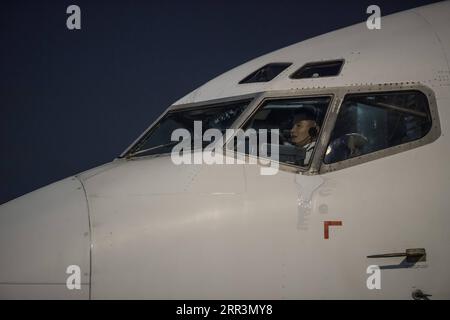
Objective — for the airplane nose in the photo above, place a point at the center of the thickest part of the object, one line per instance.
(41, 234)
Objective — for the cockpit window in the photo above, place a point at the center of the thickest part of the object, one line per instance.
(374, 121)
(319, 69)
(265, 73)
(298, 121)
(158, 139)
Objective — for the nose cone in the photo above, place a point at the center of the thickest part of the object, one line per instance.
(41, 234)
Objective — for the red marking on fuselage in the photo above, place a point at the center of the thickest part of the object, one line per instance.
(326, 224)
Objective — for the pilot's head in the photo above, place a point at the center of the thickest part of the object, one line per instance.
(304, 128)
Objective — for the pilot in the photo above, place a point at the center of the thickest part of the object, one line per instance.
(304, 132)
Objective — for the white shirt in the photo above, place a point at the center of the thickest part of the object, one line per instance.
(309, 147)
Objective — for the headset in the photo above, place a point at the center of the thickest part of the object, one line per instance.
(313, 133)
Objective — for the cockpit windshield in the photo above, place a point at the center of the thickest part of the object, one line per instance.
(158, 139)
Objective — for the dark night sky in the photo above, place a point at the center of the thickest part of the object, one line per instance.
(72, 100)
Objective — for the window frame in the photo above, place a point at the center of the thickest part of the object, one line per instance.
(244, 81)
(185, 107)
(316, 165)
(285, 95)
(432, 135)
(312, 63)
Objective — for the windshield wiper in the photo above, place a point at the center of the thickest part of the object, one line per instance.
(165, 145)
(140, 152)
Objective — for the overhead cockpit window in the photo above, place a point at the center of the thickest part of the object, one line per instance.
(158, 139)
(319, 70)
(298, 120)
(266, 73)
(375, 121)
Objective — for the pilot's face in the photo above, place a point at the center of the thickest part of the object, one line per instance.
(300, 132)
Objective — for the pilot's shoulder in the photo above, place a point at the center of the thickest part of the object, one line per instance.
(310, 145)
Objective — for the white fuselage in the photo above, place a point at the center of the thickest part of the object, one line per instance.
(147, 228)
